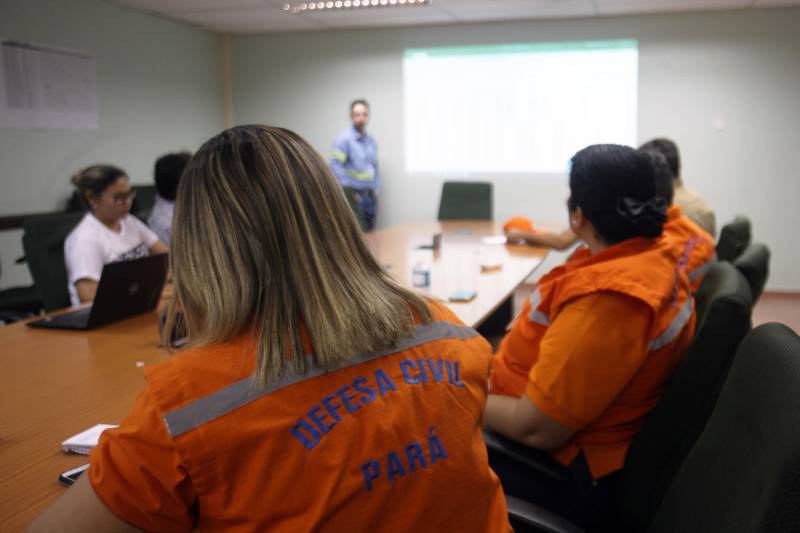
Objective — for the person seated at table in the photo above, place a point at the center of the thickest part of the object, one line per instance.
(691, 203)
(520, 229)
(107, 233)
(316, 394)
(697, 247)
(690, 239)
(168, 172)
(594, 346)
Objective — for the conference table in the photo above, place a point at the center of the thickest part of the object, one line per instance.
(56, 383)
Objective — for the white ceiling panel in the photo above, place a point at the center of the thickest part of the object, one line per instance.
(271, 19)
(409, 15)
(255, 16)
(776, 3)
(624, 7)
(519, 9)
(179, 6)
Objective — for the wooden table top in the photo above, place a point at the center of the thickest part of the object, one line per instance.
(465, 245)
(57, 383)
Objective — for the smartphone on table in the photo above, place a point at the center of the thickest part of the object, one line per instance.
(71, 476)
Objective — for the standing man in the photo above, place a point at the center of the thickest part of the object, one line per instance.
(354, 160)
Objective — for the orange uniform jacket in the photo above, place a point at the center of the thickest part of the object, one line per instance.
(648, 276)
(391, 442)
(698, 250)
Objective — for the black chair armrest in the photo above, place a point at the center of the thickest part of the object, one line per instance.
(9, 317)
(531, 458)
(528, 517)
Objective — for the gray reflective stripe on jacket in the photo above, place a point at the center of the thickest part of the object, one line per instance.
(675, 327)
(670, 334)
(702, 269)
(535, 315)
(243, 392)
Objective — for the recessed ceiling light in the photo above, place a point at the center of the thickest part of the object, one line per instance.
(331, 5)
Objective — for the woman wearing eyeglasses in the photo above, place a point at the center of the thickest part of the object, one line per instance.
(108, 233)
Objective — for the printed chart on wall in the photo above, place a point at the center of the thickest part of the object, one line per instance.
(517, 108)
(46, 87)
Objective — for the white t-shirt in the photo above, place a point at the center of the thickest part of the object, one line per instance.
(91, 245)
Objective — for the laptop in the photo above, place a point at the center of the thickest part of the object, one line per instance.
(126, 288)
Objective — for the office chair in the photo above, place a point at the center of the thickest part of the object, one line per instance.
(743, 474)
(723, 307)
(18, 303)
(733, 238)
(76, 203)
(143, 202)
(43, 241)
(466, 200)
(658, 450)
(753, 263)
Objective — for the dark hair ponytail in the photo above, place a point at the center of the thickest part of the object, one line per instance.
(615, 187)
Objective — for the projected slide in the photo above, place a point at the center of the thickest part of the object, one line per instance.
(522, 108)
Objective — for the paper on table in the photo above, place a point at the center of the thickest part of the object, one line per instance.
(494, 239)
(84, 441)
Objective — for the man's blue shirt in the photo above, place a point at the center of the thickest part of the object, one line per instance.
(354, 160)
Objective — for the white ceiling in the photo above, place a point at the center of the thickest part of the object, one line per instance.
(267, 16)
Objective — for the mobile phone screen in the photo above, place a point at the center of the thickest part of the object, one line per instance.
(71, 476)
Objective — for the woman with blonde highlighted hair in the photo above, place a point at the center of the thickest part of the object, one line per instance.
(316, 392)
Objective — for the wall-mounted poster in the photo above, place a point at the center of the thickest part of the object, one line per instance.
(43, 87)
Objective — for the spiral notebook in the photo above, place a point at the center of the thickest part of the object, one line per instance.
(84, 441)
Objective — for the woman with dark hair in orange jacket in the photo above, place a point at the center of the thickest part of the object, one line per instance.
(592, 350)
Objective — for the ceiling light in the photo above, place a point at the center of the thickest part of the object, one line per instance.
(338, 5)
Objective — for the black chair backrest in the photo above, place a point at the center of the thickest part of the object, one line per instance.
(144, 201)
(466, 200)
(733, 238)
(43, 241)
(754, 265)
(743, 475)
(76, 203)
(723, 306)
